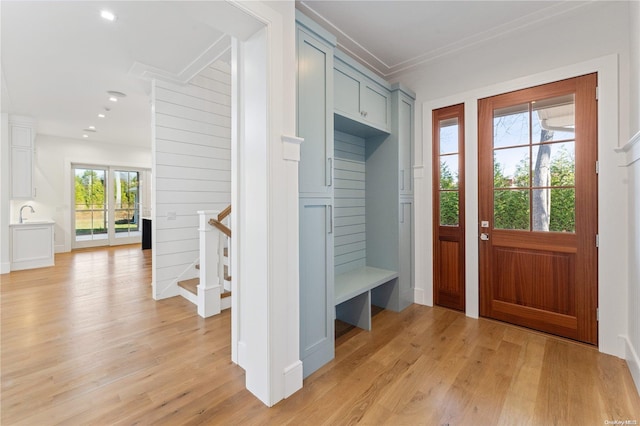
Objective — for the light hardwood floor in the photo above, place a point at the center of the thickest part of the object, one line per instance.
(84, 343)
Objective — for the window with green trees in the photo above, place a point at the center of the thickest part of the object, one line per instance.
(90, 207)
(534, 166)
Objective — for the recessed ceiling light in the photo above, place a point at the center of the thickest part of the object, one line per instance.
(109, 16)
(101, 116)
(85, 136)
(92, 128)
(116, 94)
(113, 99)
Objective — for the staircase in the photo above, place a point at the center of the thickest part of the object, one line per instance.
(210, 291)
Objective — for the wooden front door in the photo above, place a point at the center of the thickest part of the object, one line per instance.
(538, 207)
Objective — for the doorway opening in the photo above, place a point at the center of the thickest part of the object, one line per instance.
(108, 205)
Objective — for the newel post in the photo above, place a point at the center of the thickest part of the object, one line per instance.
(210, 287)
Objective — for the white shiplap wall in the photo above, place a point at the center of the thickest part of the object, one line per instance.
(349, 197)
(192, 168)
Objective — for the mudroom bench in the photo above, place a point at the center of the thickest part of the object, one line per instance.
(357, 289)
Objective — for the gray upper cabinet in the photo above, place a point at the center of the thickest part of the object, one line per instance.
(315, 114)
(359, 97)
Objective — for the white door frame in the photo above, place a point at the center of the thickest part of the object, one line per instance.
(111, 238)
(613, 239)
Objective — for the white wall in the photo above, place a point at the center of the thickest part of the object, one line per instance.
(633, 161)
(634, 49)
(5, 264)
(585, 40)
(53, 178)
(192, 169)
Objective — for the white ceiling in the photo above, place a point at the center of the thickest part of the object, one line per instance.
(59, 58)
(392, 37)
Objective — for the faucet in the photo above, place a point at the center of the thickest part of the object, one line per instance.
(22, 208)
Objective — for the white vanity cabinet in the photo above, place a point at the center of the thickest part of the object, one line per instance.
(22, 135)
(359, 97)
(32, 244)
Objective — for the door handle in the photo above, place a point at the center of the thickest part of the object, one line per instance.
(484, 236)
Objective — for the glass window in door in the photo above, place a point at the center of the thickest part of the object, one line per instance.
(91, 218)
(126, 197)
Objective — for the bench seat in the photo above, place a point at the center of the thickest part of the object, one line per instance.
(352, 291)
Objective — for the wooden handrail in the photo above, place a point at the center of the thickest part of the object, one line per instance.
(224, 213)
(221, 226)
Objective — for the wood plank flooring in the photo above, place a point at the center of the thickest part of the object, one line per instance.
(83, 343)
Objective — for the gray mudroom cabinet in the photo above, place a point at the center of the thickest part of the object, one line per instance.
(356, 192)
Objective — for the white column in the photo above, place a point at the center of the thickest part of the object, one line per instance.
(210, 285)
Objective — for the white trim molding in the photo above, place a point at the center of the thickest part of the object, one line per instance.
(633, 361)
(219, 49)
(292, 378)
(291, 148)
(612, 210)
(630, 152)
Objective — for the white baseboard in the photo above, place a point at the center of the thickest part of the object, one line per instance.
(225, 303)
(188, 295)
(60, 248)
(5, 267)
(418, 296)
(292, 378)
(633, 361)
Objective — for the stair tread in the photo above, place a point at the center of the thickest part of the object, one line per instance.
(190, 285)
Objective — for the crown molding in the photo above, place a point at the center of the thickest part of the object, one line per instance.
(363, 55)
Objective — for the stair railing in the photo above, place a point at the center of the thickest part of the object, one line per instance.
(223, 276)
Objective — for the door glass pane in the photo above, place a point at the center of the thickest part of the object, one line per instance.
(554, 164)
(511, 167)
(553, 119)
(90, 204)
(511, 209)
(449, 136)
(511, 126)
(449, 208)
(126, 202)
(563, 210)
(449, 172)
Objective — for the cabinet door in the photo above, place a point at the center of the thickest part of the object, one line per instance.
(21, 136)
(346, 93)
(405, 144)
(376, 106)
(405, 272)
(315, 114)
(21, 172)
(316, 284)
